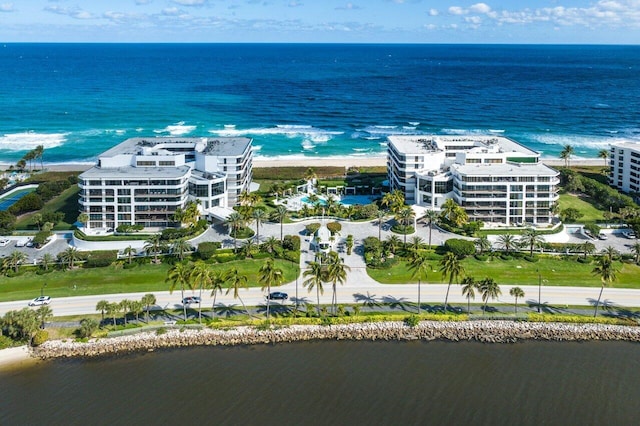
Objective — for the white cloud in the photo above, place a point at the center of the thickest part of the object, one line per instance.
(74, 12)
(457, 10)
(294, 3)
(141, 2)
(348, 6)
(191, 2)
(171, 11)
(475, 20)
(433, 12)
(7, 7)
(480, 8)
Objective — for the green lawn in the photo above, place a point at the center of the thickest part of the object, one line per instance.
(590, 213)
(67, 202)
(554, 272)
(115, 279)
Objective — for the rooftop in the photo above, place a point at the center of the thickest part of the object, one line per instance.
(210, 146)
(130, 172)
(520, 169)
(424, 144)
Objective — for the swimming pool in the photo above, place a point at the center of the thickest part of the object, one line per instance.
(345, 200)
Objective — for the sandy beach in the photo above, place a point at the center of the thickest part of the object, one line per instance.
(346, 162)
(15, 357)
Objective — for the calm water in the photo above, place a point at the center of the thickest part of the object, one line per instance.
(336, 383)
(313, 100)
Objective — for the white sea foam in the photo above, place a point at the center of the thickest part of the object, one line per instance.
(307, 145)
(29, 140)
(580, 141)
(178, 129)
(314, 134)
(139, 129)
(257, 148)
(414, 123)
(379, 131)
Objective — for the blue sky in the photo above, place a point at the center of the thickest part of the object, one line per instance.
(345, 21)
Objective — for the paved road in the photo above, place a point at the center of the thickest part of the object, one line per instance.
(553, 297)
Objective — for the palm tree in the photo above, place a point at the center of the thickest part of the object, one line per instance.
(532, 239)
(136, 307)
(420, 267)
(604, 268)
(37, 219)
(129, 252)
(489, 289)
(111, 310)
(87, 327)
(236, 280)
(70, 256)
(566, 154)
(200, 278)
(405, 218)
(516, 292)
(234, 222)
(416, 243)
(635, 249)
(469, 286)
(44, 313)
(39, 153)
(431, 216)
(124, 307)
(611, 253)
(392, 241)
(604, 154)
(148, 300)
(153, 246)
(483, 244)
(336, 273)
(102, 306)
(507, 242)
(380, 216)
(270, 245)
(588, 248)
(259, 216)
(450, 267)
(270, 275)
(217, 280)
(280, 214)
(15, 259)
(315, 275)
(46, 260)
(180, 275)
(180, 248)
(248, 248)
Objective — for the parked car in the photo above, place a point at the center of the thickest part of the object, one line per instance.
(4, 242)
(191, 299)
(40, 300)
(20, 243)
(602, 236)
(278, 295)
(629, 234)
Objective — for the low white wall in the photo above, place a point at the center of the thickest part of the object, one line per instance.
(83, 245)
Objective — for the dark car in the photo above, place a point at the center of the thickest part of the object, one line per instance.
(278, 295)
(191, 299)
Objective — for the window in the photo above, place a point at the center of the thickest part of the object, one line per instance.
(167, 163)
(141, 163)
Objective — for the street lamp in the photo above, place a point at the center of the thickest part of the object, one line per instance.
(42, 289)
(539, 289)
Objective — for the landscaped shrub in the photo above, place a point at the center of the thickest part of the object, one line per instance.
(403, 229)
(481, 257)
(412, 321)
(291, 242)
(533, 258)
(311, 228)
(334, 227)
(461, 248)
(505, 257)
(582, 259)
(41, 238)
(291, 255)
(100, 258)
(208, 249)
(28, 203)
(40, 337)
(242, 233)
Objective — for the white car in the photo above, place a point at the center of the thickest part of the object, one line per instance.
(4, 242)
(629, 234)
(40, 300)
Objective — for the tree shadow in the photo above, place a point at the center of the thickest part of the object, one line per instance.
(612, 310)
(544, 307)
(276, 310)
(227, 311)
(489, 309)
(369, 300)
(397, 303)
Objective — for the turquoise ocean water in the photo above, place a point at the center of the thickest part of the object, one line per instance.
(314, 100)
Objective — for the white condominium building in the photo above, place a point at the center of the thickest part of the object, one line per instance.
(142, 181)
(495, 179)
(624, 160)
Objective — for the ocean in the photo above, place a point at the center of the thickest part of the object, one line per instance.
(314, 100)
(335, 383)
